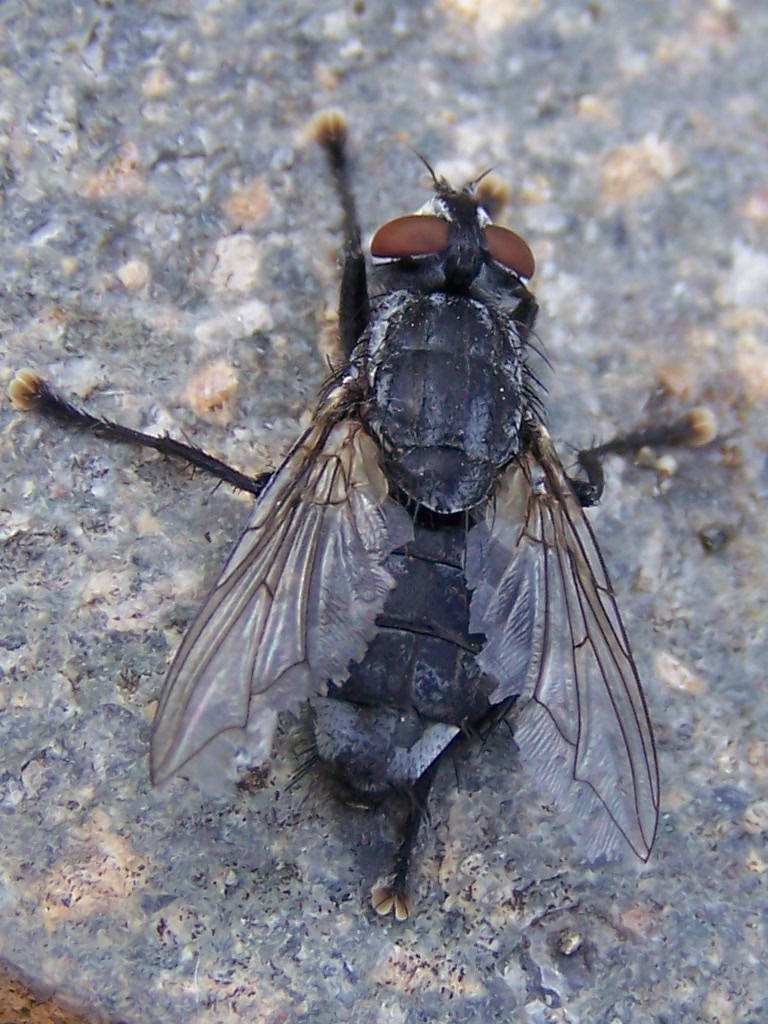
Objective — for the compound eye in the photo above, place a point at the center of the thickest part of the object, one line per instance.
(510, 250)
(416, 235)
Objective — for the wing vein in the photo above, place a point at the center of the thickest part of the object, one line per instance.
(584, 732)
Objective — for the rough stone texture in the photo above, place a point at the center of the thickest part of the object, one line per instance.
(169, 258)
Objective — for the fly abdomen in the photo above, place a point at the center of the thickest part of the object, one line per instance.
(447, 396)
(419, 683)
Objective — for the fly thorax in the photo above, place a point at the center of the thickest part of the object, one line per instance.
(446, 398)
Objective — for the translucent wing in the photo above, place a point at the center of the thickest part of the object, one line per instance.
(554, 635)
(295, 603)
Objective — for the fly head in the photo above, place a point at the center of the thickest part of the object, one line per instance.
(454, 226)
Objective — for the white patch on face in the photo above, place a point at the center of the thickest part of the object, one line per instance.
(435, 207)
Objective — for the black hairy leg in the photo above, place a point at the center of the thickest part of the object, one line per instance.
(330, 130)
(28, 391)
(696, 428)
(393, 898)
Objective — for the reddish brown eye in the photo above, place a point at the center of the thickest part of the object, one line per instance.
(508, 248)
(417, 235)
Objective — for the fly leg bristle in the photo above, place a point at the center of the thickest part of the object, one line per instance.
(304, 768)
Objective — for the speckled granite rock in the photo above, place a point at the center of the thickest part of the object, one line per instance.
(168, 235)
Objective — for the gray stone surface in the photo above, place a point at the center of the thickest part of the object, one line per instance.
(163, 213)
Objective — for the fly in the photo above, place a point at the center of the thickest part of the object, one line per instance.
(421, 561)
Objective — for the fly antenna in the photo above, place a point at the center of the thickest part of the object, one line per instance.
(472, 185)
(439, 184)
